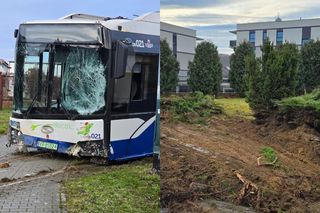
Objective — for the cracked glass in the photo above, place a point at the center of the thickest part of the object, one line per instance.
(60, 79)
(84, 81)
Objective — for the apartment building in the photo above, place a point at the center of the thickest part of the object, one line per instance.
(278, 31)
(182, 41)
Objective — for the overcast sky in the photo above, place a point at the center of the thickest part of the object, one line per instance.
(213, 19)
(14, 12)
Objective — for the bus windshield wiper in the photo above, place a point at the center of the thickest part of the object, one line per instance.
(69, 115)
(31, 105)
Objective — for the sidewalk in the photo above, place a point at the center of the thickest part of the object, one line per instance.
(41, 196)
(27, 190)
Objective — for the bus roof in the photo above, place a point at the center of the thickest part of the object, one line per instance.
(148, 23)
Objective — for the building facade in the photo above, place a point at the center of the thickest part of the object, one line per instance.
(182, 41)
(4, 67)
(7, 83)
(278, 31)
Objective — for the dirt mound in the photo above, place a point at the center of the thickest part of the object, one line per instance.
(219, 161)
(290, 118)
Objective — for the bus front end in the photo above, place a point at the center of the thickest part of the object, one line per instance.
(87, 88)
(60, 88)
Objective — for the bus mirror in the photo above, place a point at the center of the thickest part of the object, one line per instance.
(120, 59)
(16, 33)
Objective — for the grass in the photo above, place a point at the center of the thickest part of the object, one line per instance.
(235, 107)
(307, 101)
(4, 120)
(121, 188)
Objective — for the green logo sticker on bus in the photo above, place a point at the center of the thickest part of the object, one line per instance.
(47, 145)
(34, 126)
(85, 130)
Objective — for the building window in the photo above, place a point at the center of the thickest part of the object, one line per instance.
(279, 36)
(174, 44)
(264, 36)
(306, 35)
(252, 37)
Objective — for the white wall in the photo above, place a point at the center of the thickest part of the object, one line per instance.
(183, 77)
(184, 60)
(292, 35)
(177, 29)
(315, 33)
(259, 39)
(258, 52)
(242, 36)
(280, 24)
(272, 35)
(166, 36)
(186, 44)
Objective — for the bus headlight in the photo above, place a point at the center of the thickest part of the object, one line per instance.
(14, 124)
(13, 136)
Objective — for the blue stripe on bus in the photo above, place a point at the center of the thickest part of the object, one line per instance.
(141, 146)
(33, 142)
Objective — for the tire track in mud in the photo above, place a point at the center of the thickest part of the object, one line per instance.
(211, 154)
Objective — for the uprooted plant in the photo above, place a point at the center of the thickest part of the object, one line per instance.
(191, 108)
(268, 158)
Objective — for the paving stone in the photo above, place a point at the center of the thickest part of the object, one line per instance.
(40, 195)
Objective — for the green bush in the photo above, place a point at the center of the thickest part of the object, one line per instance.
(272, 77)
(309, 69)
(191, 108)
(307, 101)
(169, 68)
(205, 71)
(237, 67)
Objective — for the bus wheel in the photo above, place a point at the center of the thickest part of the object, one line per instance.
(99, 160)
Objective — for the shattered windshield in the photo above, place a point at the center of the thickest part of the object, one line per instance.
(84, 81)
(60, 79)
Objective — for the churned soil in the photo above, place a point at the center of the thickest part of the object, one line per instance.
(219, 161)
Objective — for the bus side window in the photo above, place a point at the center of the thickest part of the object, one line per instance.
(137, 83)
(144, 84)
(121, 97)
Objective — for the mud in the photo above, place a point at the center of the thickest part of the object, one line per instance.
(200, 163)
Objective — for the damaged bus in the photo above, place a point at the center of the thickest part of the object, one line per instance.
(87, 86)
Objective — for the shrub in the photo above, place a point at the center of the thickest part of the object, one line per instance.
(169, 68)
(237, 67)
(272, 78)
(205, 72)
(192, 108)
(307, 101)
(310, 63)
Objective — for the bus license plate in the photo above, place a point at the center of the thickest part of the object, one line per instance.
(47, 145)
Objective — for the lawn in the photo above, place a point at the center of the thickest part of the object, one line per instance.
(235, 107)
(4, 120)
(120, 188)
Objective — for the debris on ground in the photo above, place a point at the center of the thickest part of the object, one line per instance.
(4, 165)
(227, 171)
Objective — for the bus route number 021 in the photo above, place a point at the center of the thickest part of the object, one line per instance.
(95, 136)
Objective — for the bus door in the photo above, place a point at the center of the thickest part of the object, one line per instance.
(133, 109)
